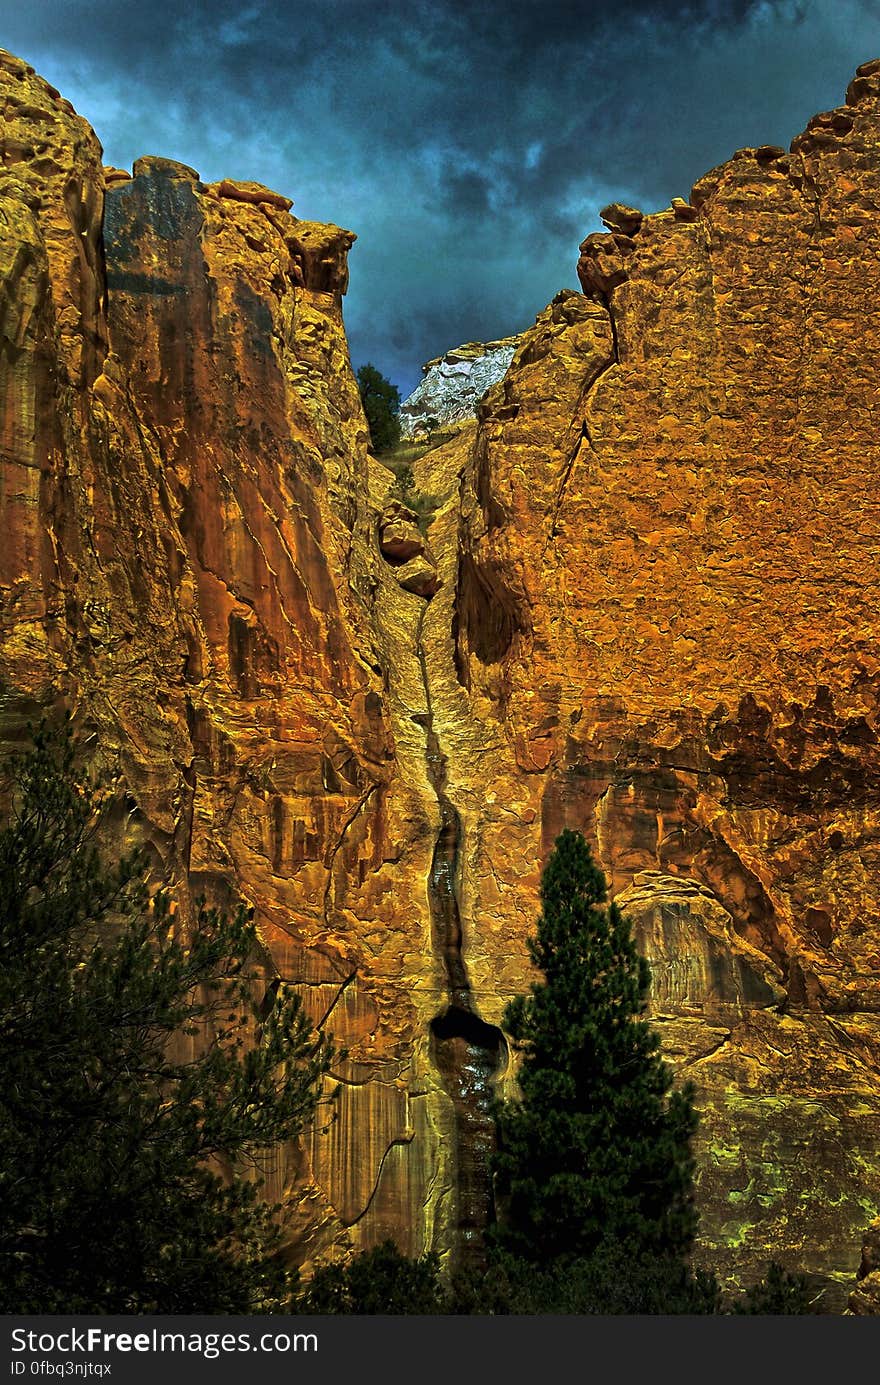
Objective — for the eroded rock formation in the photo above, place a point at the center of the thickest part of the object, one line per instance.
(454, 385)
(668, 608)
(864, 1301)
(645, 607)
(190, 564)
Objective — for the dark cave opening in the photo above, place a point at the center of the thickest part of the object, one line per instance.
(468, 1054)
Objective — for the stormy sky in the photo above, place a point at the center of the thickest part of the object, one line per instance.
(469, 145)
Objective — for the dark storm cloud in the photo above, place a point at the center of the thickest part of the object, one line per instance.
(469, 144)
(466, 193)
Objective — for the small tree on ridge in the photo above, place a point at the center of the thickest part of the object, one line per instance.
(381, 401)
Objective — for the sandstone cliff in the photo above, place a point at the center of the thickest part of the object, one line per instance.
(190, 564)
(667, 607)
(645, 607)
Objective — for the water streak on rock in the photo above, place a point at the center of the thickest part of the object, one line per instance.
(467, 1051)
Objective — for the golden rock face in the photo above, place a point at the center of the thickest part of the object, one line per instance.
(190, 563)
(668, 607)
(645, 607)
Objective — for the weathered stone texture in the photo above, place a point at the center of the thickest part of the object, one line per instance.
(864, 1301)
(189, 560)
(454, 385)
(646, 606)
(668, 607)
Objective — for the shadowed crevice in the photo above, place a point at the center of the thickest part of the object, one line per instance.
(466, 1051)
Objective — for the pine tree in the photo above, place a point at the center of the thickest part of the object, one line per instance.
(381, 401)
(378, 1281)
(779, 1293)
(595, 1155)
(144, 1071)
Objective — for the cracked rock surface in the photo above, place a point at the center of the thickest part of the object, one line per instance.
(653, 570)
(667, 603)
(454, 385)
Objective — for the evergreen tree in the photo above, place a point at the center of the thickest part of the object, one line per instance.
(779, 1293)
(381, 401)
(614, 1280)
(595, 1155)
(377, 1281)
(143, 1071)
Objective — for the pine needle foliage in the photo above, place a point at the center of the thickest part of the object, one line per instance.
(380, 1281)
(145, 1071)
(381, 403)
(780, 1294)
(595, 1154)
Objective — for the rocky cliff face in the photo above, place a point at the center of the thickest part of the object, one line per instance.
(454, 385)
(667, 607)
(864, 1301)
(190, 563)
(645, 607)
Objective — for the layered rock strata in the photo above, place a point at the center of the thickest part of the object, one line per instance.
(645, 607)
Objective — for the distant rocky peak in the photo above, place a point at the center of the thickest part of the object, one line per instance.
(454, 384)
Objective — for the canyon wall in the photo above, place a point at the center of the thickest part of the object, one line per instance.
(645, 606)
(668, 607)
(190, 564)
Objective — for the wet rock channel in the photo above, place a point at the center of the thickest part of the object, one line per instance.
(467, 1051)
